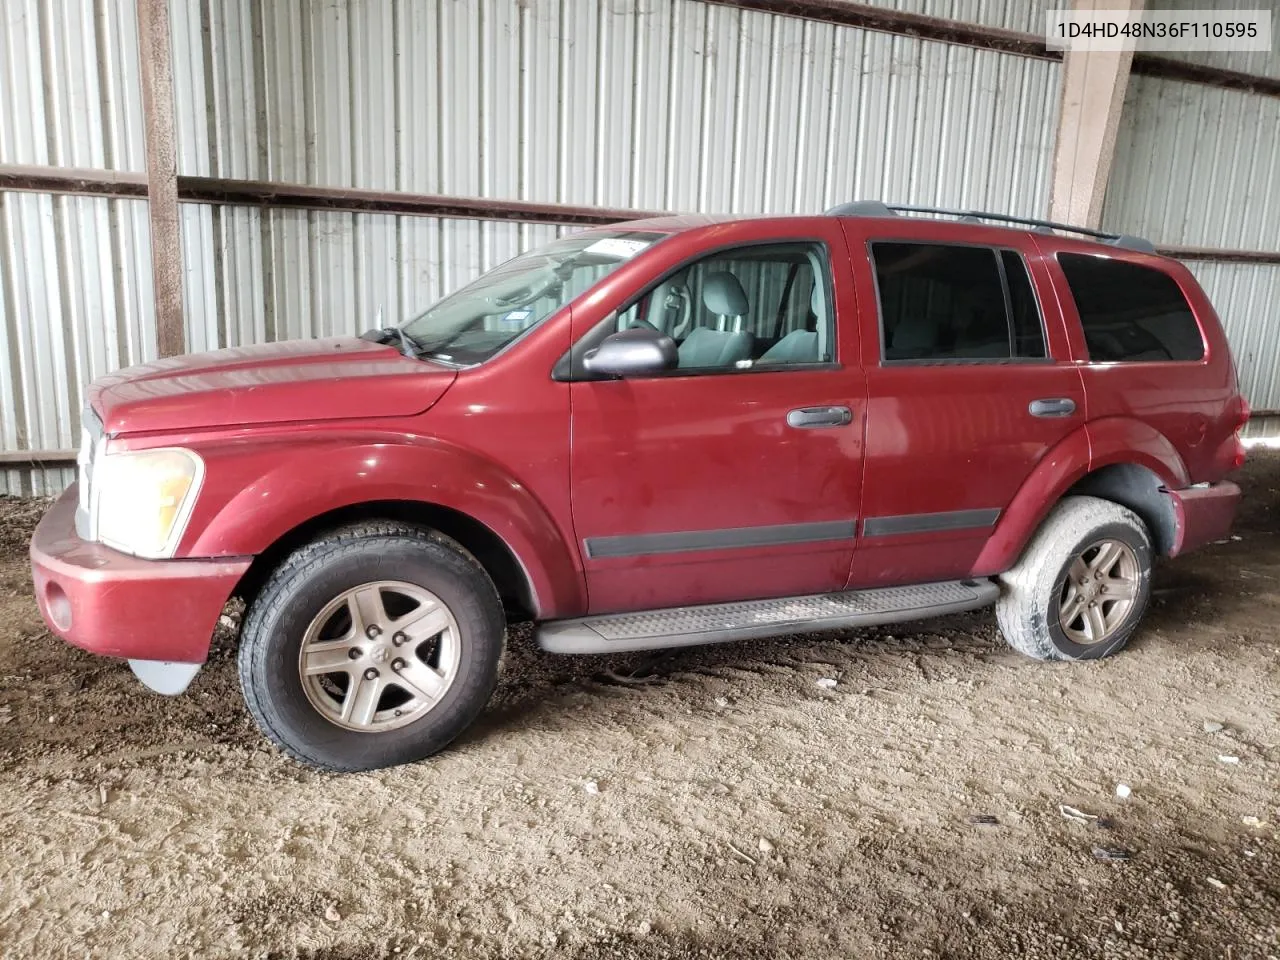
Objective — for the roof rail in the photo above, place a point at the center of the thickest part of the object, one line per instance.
(875, 208)
(861, 208)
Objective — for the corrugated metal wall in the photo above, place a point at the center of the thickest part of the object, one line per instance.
(75, 272)
(253, 275)
(652, 104)
(1247, 298)
(75, 303)
(1260, 63)
(1199, 166)
(69, 90)
(1023, 16)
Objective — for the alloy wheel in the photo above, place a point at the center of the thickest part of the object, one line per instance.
(379, 656)
(1099, 591)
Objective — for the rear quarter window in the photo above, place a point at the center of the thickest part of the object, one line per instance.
(1131, 313)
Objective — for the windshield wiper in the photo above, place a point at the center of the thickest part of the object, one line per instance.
(389, 335)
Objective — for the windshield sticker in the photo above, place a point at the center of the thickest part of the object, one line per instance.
(617, 247)
(516, 319)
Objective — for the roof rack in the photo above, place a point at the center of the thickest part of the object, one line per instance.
(876, 208)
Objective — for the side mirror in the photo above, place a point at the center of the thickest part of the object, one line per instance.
(632, 353)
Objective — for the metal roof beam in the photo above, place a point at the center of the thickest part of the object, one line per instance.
(300, 196)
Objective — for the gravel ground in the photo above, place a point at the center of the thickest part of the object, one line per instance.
(721, 803)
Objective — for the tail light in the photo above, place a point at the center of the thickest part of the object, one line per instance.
(1241, 418)
(1242, 413)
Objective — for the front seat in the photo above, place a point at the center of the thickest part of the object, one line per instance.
(801, 346)
(723, 295)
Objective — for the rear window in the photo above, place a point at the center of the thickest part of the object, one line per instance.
(952, 303)
(1130, 312)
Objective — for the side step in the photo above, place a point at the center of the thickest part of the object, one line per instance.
(716, 623)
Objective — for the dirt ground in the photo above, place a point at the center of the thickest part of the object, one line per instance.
(731, 807)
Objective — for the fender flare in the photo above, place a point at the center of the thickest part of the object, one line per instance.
(1126, 440)
(1100, 443)
(310, 480)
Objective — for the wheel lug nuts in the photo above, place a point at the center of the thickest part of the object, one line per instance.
(372, 632)
(354, 653)
(371, 674)
(397, 664)
(399, 638)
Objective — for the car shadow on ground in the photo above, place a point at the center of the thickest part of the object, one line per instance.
(1192, 590)
(532, 680)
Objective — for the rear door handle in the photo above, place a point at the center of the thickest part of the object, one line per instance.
(1052, 407)
(804, 418)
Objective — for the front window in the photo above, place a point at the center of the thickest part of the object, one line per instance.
(759, 307)
(472, 324)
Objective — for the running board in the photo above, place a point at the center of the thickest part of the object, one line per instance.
(716, 623)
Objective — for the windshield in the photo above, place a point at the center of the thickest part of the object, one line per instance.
(474, 323)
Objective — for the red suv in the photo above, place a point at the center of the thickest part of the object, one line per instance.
(668, 432)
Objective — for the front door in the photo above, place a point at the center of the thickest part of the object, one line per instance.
(737, 475)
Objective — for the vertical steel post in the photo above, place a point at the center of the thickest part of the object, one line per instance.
(155, 54)
(1092, 98)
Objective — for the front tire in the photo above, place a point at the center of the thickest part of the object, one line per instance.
(373, 646)
(1082, 585)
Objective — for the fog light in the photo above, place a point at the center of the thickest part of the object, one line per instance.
(58, 605)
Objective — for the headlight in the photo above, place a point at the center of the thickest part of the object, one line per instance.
(141, 501)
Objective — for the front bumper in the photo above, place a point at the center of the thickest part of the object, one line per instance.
(116, 605)
(1202, 515)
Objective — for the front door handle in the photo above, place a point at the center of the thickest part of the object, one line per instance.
(804, 418)
(1052, 407)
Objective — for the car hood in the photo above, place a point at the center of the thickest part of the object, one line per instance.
(295, 380)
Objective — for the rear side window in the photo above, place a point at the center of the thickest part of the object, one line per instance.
(943, 302)
(1130, 312)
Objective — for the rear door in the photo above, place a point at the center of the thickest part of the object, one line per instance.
(737, 475)
(968, 388)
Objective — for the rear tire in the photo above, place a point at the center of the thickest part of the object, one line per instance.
(1081, 586)
(374, 646)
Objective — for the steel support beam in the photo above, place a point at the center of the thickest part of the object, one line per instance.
(300, 196)
(37, 458)
(156, 69)
(903, 23)
(925, 27)
(309, 197)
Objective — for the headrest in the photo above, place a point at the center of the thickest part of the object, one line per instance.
(723, 295)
